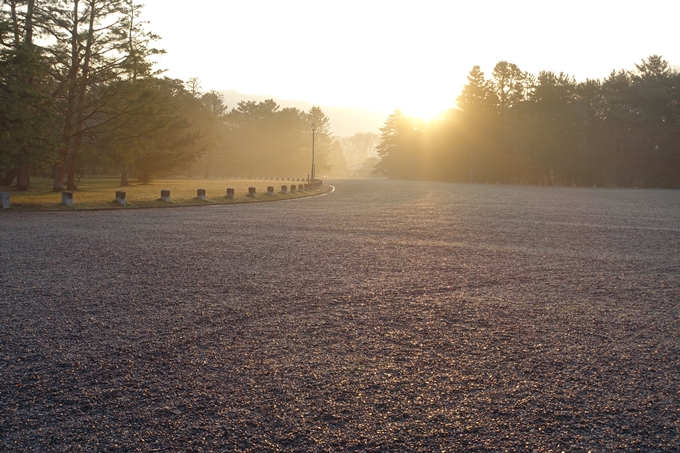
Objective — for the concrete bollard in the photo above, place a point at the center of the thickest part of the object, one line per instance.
(67, 198)
(251, 192)
(5, 200)
(200, 194)
(165, 195)
(230, 193)
(293, 188)
(270, 190)
(284, 189)
(120, 197)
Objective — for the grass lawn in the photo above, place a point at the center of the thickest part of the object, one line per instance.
(100, 193)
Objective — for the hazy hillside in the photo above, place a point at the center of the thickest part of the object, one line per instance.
(344, 120)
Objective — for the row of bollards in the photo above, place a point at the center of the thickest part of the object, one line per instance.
(67, 197)
(121, 198)
(266, 178)
(252, 192)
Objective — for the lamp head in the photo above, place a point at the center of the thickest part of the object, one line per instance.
(313, 126)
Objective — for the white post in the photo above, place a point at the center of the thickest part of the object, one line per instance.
(67, 198)
(5, 200)
(120, 197)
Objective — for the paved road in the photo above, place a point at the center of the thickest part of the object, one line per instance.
(386, 316)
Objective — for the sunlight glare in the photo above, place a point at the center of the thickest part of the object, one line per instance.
(425, 109)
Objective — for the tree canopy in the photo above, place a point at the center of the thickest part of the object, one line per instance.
(547, 129)
(79, 93)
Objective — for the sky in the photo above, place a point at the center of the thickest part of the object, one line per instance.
(412, 55)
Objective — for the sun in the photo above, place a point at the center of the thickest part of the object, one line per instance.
(424, 109)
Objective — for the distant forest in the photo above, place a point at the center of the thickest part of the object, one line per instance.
(79, 95)
(548, 129)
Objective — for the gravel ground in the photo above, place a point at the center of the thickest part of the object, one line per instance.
(386, 316)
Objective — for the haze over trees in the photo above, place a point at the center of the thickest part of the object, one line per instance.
(359, 147)
(77, 82)
(78, 94)
(515, 127)
(261, 139)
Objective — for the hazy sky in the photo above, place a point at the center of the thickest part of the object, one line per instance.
(414, 55)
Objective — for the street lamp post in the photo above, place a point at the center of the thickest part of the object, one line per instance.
(313, 166)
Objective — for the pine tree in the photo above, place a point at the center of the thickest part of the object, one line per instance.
(397, 148)
(88, 57)
(27, 113)
(479, 117)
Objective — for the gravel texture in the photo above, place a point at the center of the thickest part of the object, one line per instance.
(386, 316)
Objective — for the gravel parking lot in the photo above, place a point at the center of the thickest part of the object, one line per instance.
(385, 316)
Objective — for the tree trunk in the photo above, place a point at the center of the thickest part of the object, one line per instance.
(15, 23)
(124, 176)
(9, 177)
(29, 22)
(67, 132)
(206, 174)
(58, 185)
(24, 172)
(71, 169)
(143, 177)
(24, 177)
(79, 113)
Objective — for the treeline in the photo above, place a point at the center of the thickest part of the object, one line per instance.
(547, 129)
(262, 139)
(78, 94)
